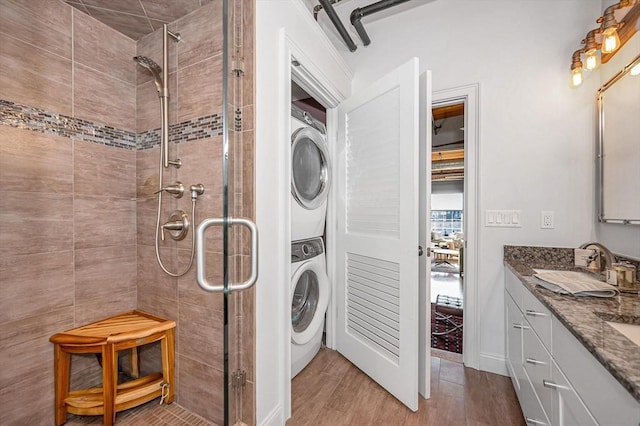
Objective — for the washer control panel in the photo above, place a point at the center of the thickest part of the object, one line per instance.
(306, 249)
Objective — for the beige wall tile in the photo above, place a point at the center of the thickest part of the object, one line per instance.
(34, 77)
(103, 271)
(167, 12)
(100, 169)
(38, 391)
(42, 23)
(102, 307)
(25, 350)
(103, 99)
(104, 221)
(35, 222)
(35, 284)
(153, 304)
(201, 33)
(188, 289)
(200, 89)
(148, 104)
(102, 48)
(132, 25)
(200, 334)
(151, 279)
(200, 389)
(34, 162)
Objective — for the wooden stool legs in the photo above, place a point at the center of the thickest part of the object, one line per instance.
(168, 363)
(61, 371)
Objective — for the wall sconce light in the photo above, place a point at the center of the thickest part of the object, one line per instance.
(607, 33)
(591, 46)
(610, 39)
(576, 69)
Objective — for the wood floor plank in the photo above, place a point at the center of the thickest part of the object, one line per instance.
(333, 392)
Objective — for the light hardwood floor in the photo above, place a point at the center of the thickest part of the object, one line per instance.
(332, 391)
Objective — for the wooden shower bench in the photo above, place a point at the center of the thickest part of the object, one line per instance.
(127, 330)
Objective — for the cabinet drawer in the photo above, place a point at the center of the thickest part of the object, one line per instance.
(533, 412)
(538, 316)
(514, 325)
(514, 287)
(607, 400)
(537, 364)
(567, 407)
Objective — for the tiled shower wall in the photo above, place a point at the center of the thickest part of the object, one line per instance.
(76, 205)
(67, 198)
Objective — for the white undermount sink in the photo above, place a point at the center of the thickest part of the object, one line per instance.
(630, 331)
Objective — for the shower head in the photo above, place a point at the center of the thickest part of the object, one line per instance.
(154, 68)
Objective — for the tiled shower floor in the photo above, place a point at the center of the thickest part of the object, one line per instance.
(150, 413)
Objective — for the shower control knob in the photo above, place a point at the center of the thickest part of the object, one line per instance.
(177, 189)
(197, 189)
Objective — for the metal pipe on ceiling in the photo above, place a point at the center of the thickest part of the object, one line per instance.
(335, 19)
(361, 12)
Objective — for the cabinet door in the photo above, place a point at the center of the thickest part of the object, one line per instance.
(568, 408)
(514, 324)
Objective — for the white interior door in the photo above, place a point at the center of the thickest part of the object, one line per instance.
(424, 263)
(377, 293)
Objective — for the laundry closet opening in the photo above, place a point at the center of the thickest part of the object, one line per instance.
(311, 175)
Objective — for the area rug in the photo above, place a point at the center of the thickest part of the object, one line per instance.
(444, 267)
(451, 342)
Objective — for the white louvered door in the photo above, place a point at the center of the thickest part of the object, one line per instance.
(377, 236)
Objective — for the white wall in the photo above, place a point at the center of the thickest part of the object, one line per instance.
(282, 27)
(446, 201)
(536, 142)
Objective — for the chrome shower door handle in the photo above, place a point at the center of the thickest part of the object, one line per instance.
(201, 272)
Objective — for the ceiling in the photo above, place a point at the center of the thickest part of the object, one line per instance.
(447, 159)
(136, 18)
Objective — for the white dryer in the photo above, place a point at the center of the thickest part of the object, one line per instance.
(310, 292)
(310, 175)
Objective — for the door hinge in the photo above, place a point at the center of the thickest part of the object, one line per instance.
(238, 379)
(237, 67)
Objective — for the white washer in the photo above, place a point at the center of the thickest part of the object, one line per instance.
(310, 291)
(310, 175)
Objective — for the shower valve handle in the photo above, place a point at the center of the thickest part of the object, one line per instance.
(177, 189)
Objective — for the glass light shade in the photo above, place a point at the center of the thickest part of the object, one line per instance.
(576, 77)
(610, 40)
(635, 70)
(591, 60)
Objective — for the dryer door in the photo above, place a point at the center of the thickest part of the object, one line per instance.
(309, 300)
(311, 169)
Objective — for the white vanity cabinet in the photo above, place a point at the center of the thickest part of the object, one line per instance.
(557, 380)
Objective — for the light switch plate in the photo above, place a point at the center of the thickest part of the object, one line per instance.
(503, 218)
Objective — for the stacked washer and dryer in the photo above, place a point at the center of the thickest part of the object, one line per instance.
(310, 287)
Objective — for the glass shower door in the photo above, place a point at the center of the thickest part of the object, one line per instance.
(239, 235)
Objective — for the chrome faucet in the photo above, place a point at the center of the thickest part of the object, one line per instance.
(609, 258)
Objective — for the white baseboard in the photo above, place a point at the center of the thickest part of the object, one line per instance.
(274, 418)
(493, 364)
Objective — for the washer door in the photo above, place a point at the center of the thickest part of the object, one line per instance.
(309, 300)
(311, 169)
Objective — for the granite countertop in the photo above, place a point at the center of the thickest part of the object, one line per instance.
(585, 318)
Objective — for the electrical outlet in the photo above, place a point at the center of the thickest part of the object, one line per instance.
(546, 220)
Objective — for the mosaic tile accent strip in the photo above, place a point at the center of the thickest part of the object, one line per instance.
(38, 120)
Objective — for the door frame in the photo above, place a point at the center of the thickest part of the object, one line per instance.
(470, 95)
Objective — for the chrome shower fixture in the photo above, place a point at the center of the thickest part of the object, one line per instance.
(197, 189)
(177, 189)
(154, 69)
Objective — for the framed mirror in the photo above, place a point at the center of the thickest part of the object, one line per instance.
(618, 102)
